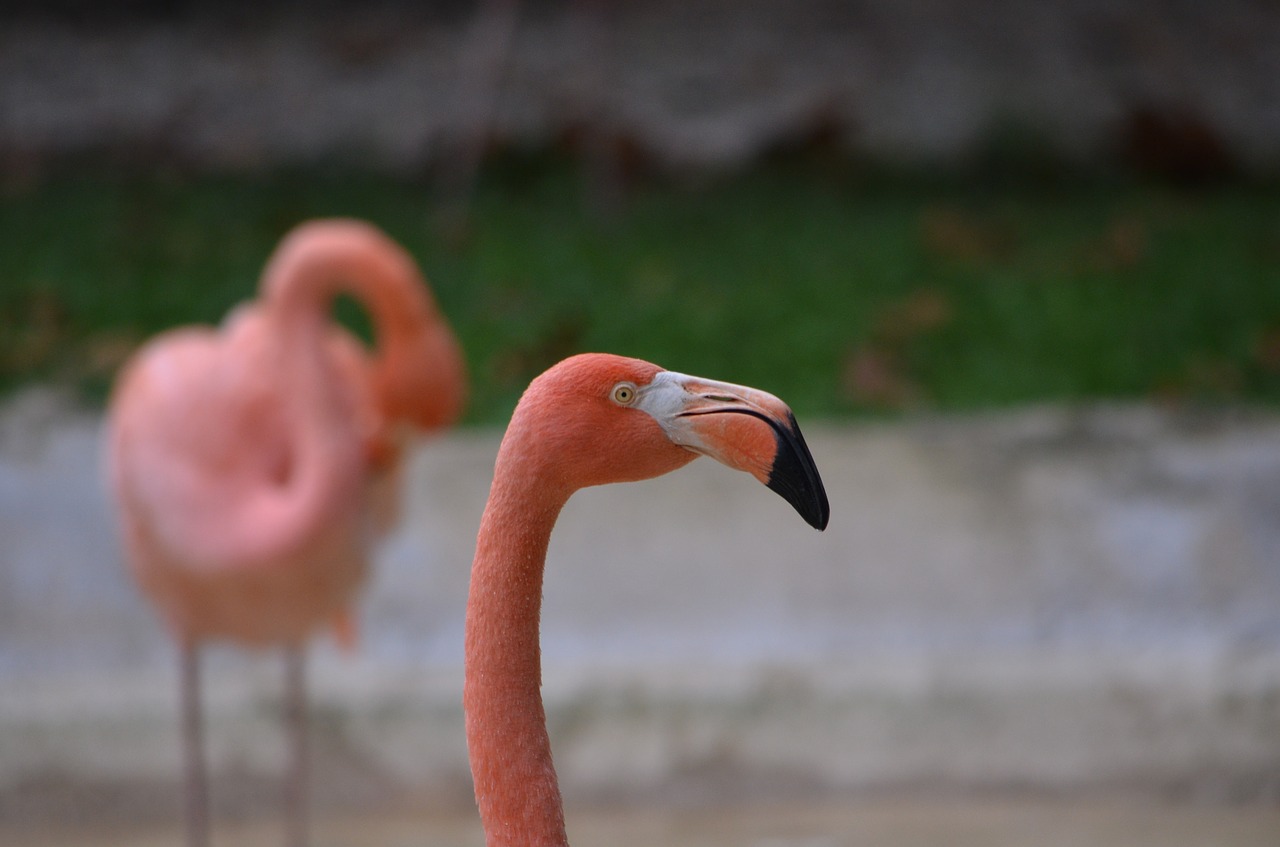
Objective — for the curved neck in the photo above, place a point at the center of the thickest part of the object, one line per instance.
(515, 781)
(326, 454)
(313, 264)
(322, 259)
(418, 371)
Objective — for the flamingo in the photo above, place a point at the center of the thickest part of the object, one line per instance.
(254, 465)
(589, 420)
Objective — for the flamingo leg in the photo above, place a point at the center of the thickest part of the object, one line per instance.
(196, 788)
(296, 793)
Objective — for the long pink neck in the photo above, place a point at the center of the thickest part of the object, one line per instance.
(418, 374)
(326, 457)
(515, 781)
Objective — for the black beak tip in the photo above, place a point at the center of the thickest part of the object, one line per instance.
(816, 512)
(819, 516)
(795, 478)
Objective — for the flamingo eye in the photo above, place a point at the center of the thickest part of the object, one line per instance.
(624, 394)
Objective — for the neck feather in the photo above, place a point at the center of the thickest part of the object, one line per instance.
(515, 781)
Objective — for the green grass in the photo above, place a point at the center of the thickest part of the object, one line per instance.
(844, 294)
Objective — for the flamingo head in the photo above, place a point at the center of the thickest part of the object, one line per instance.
(601, 419)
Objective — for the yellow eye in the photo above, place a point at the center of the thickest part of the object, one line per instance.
(624, 393)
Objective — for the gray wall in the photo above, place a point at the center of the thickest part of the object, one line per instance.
(1056, 600)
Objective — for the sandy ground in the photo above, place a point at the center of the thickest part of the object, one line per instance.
(896, 823)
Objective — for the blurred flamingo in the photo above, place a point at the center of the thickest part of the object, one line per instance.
(255, 464)
(590, 420)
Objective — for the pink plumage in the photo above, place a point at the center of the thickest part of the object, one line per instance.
(254, 464)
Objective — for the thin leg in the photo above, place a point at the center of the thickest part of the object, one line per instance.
(296, 795)
(197, 789)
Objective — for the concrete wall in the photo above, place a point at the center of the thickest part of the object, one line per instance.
(1052, 600)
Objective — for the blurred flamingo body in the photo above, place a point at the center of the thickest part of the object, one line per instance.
(255, 464)
(590, 420)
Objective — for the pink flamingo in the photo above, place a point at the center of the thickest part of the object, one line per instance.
(590, 420)
(253, 465)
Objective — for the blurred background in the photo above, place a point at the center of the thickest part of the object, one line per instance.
(1015, 266)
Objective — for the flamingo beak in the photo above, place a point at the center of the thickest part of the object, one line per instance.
(745, 428)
